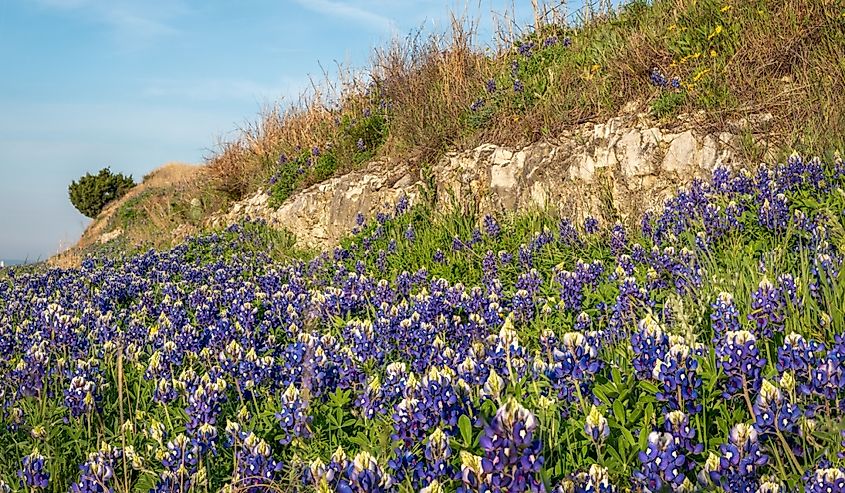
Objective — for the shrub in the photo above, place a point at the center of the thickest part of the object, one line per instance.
(92, 192)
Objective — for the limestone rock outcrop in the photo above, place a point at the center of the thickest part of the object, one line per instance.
(615, 169)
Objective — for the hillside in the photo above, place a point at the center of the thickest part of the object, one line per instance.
(707, 66)
(168, 201)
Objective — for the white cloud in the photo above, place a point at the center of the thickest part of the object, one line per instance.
(352, 12)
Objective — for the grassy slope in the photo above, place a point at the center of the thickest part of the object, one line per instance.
(424, 95)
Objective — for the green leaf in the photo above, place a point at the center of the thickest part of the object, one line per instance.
(619, 411)
(629, 437)
(601, 395)
(648, 387)
(465, 427)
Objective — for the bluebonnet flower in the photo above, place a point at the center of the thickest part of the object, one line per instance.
(789, 290)
(631, 300)
(583, 322)
(476, 105)
(773, 413)
(472, 475)
(526, 49)
(575, 362)
(80, 396)
(825, 269)
(518, 86)
(363, 475)
(767, 309)
(491, 85)
(724, 316)
(505, 258)
(678, 424)
(825, 480)
(526, 257)
(410, 234)
(255, 466)
(475, 236)
(657, 78)
(512, 456)
(567, 234)
(180, 460)
(437, 459)
(595, 426)
(663, 463)
(798, 357)
(841, 454)
(204, 405)
(491, 226)
(325, 477)
(677, 374)
(402, 205)
(595, 480)
(739, 461)
(33, 473)
(96, 473)
(591, 225)
(489, 267)
(774, 213)
(740, 359)
(293, 416)
(438, 256)
(359, 144)
(618, 239)
(404, 466)
(381, 260)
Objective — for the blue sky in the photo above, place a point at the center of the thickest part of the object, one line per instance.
(135, 84)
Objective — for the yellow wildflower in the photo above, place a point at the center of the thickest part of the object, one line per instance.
(715, 32)
(700, 74)
(713, 54)
(725, 8)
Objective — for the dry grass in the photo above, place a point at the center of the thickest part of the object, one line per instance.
(429, 83)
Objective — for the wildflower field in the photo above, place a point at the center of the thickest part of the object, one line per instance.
(703, 350)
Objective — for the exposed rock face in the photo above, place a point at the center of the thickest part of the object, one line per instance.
(322, 214)
(614, 170)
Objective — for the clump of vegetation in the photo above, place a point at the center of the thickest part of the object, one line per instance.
(356, 139)
(92, 192)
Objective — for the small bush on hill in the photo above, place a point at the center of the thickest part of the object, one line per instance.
(92, 192)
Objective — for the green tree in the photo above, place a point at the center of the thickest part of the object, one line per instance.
(92, 192)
